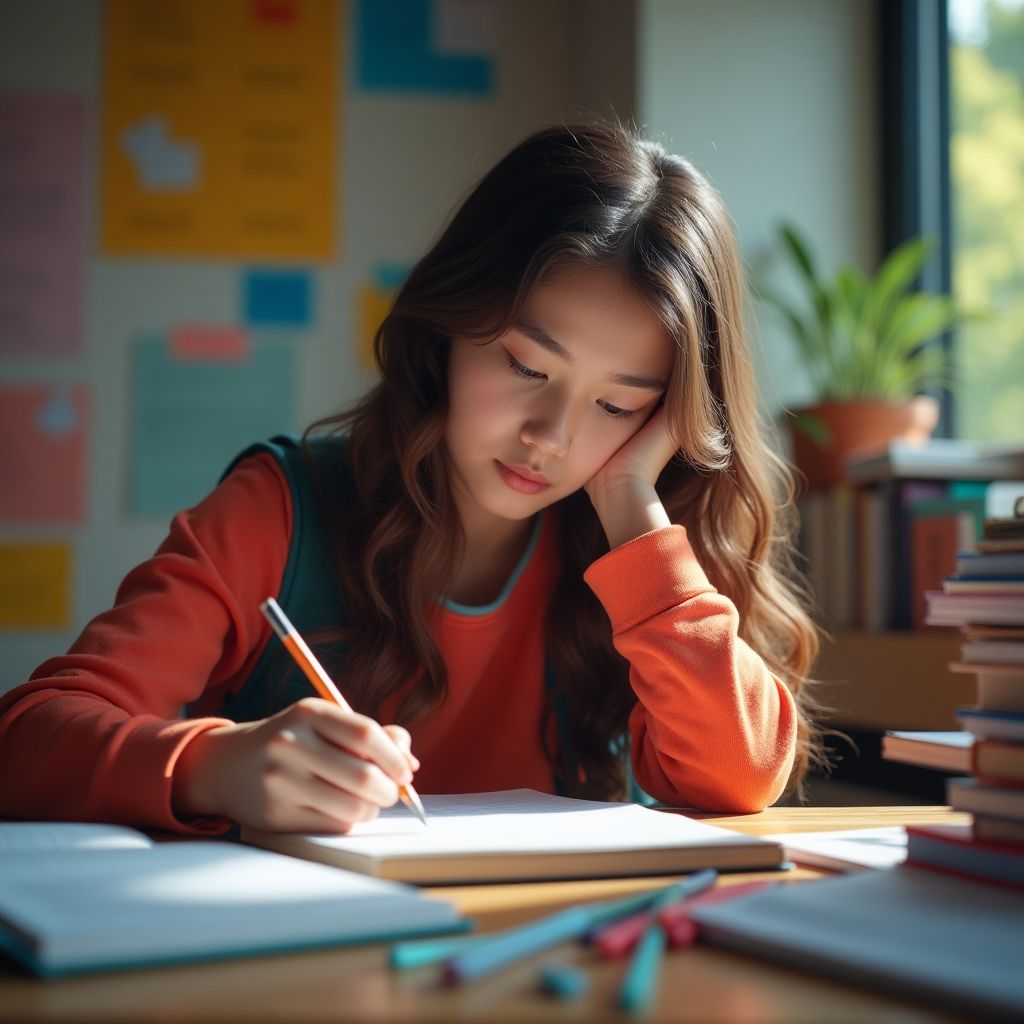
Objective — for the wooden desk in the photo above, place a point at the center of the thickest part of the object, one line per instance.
(701, 984)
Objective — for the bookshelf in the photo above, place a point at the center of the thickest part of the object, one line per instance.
(892, 680)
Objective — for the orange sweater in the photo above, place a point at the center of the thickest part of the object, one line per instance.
(95, 734)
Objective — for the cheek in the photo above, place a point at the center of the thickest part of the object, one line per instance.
(478, 392)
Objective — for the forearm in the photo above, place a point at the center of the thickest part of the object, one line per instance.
(713, 727)
(628, 510)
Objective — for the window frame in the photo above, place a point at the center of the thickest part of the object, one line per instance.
(914, 146)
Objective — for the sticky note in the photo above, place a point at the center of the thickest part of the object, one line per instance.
(220, 128)
(35, 585)
(192, 416)
(203, 341)
(42, 237)
(399, 48)
(277, 298)
(44, 433)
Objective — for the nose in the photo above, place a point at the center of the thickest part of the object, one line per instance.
(549, 428)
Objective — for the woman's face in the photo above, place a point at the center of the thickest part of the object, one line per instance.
(534, 414)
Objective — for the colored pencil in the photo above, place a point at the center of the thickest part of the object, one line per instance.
(490, 954)
(563, 981)
(619, 938)
(322, 682)
(641, 980)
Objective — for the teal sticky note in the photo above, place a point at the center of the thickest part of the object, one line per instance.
(278, 298)
(192, 416)
(399, 48)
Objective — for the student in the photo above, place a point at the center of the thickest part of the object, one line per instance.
(551, 545)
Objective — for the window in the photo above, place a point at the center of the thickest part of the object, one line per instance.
(986, 152)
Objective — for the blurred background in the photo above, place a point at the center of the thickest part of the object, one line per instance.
(205, 207)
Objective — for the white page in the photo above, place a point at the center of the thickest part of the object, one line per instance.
(857, 848)
(20, 837)
(525, 821)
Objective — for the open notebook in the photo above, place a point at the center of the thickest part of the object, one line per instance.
(80, 897)
(522, 834)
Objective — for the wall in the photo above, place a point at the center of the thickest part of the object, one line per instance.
(776, 103)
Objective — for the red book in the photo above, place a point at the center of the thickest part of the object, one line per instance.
(954, 849)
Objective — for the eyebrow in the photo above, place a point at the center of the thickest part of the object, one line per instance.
(537, 334)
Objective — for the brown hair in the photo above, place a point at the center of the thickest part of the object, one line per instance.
(588, 194)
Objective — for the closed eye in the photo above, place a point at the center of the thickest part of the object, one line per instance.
(524, 371)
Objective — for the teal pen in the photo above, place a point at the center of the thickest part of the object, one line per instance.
(488, 955)
(641, 980)
(563, 981)
(421, 952)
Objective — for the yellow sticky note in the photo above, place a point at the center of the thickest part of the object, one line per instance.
(374, 306)
(35, 585)
(220, 128)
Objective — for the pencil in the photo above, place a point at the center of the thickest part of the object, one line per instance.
(322, 682)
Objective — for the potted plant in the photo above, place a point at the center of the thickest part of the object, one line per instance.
(863, 343)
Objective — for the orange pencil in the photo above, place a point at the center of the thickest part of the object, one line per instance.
(322, 682)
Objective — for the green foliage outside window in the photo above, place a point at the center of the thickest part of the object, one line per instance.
(987, 169)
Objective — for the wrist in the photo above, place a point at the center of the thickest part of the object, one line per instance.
(193, 789)
(628, 509)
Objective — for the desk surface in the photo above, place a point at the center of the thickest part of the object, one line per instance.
(700, 984)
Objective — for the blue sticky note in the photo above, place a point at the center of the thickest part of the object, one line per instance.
(395, 52)
(278, 298)
(390, 276)
(191, 417)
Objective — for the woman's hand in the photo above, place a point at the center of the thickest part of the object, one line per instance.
(310, 768)
(640, 460)
(622, 490)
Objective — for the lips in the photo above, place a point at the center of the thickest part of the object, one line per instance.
(522, 478)
(528, 474)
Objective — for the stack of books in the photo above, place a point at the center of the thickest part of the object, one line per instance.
(985, 598)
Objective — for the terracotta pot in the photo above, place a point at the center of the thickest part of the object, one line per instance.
(826, 435)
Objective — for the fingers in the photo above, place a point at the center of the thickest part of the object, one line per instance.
(301, 753)
(404, 740)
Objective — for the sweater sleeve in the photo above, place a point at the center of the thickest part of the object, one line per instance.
(95, 734)
(713, 727)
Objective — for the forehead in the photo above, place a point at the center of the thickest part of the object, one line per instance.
(595, 312)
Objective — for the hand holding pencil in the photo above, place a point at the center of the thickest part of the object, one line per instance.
(323, 683)
(316, 766)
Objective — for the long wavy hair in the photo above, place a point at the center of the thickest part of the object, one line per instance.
(592, 194)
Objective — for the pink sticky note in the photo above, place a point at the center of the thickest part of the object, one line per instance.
(43, 445)
(217, 344)
(42, 242)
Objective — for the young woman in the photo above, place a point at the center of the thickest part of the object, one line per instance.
(551, 546)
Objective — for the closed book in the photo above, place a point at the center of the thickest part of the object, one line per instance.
(81, 898)
(998, 761)
(961, 609)
(998, 830)
(954, 848)
(945, 751)
(975, 797)
(999, 687)
(939, 459)
(992, 725)
(983, 585)
(993, 652)
(522, 834)
(934, 542)
(916, 933)
(978, 563)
